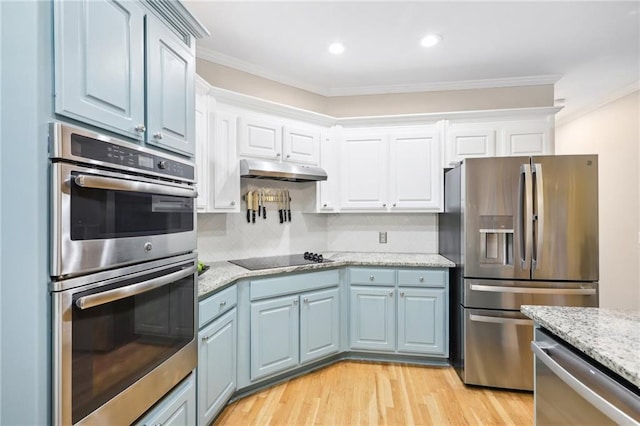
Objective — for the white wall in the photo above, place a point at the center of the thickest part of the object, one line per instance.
(613, 132)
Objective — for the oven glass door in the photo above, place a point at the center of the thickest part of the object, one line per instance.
(122, 331)
(119, 212)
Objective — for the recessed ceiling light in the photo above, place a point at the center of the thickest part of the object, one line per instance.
(336, 48)
(431, 40)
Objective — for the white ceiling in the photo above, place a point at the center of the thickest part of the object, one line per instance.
(591, 50)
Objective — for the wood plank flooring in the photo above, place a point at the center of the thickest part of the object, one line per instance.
(366, 393)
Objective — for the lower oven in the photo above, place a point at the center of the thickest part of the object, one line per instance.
(122, 339)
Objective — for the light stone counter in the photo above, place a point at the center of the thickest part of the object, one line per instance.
(610, 337)
(223, 274)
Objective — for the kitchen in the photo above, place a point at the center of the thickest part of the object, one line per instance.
(26, 70)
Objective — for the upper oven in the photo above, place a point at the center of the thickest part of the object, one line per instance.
(115, 203)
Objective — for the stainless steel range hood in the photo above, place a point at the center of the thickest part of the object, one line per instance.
(264, 169)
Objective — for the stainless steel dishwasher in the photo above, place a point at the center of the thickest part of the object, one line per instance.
(571, 389)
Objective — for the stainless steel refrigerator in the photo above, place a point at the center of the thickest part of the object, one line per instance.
(521, 230)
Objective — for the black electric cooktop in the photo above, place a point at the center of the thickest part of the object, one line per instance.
(270, 262)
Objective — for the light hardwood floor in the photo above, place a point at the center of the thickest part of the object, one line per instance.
(364, 393)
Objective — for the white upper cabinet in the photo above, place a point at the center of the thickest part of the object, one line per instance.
(364, 170)
(274, 139)
(469, 140)
(203, 145)
(415, 172)
(328, 191)
(120, 68)
(391, 169)
(511, 136)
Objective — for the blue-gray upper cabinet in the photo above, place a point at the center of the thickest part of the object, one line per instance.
(274, 335)
(372, 321)
(216, 366)
(170, 90)
(102, 48)
(422, 321)
(99, 64)
(319, 324)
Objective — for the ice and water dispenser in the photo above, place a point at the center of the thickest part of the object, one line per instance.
(496, 240)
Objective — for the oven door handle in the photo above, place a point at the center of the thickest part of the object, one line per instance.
(86, 302)
(102, 182)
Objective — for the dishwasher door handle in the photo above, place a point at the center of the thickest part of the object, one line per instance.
(545, 355)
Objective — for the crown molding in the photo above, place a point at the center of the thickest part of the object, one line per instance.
(598, 103)
(231, 62)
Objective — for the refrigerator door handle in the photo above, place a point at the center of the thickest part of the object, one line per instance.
(538, 216)
(534, 290)
(525, 216)
(500, 320)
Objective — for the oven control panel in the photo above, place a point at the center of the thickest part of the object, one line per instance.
(107, 152)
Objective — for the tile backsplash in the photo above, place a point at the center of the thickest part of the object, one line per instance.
(228, 235)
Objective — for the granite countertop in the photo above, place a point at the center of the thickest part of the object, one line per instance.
(611, 337)
(224, 273)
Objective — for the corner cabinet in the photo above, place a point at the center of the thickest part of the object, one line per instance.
(402, 311)
(100, 79)
(391, 169)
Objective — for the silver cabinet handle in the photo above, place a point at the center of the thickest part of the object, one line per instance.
(371, 277)
(324, 205)
(157, 135)
(402, 294)
(288, 155)
(233, 203)
(394, 204)
(306, 300)
(206, 339)
(546, 355)
(533, 290)
(109, 183)
(391, 294)
(223, 303)
(421, 279)
(278, 154)
(384, 205)
(140, 128)
(109, 296)
(295, 301)
(500, 320)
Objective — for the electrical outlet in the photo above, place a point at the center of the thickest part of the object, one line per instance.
(382, 237)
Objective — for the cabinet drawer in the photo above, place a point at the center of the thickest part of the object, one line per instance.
(371, 276)
(217, 304)
(296, 283)
(422, 277)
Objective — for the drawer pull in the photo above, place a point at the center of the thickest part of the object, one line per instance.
(223, 303)
(295, 301)
(306, 300)
(371, 277)
(402, 294)
(391, 294)
(421, 279)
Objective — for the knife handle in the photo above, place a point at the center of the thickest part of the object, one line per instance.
(254, 217)
(280, 213)
(264, 212)
(248, 215)
(289, 213)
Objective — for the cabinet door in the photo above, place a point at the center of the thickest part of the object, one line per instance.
(226, 172)
(99, 64)
(274, 336)
(526, 138)
(176, 409)
(422, 321)
(170, 90)
(468, 141)
(372, 319)
(327, 194)
(319, 324)
(415, 172)
(364, 171)
(203, 145)
(216, 366)
(259, 137)
(301, 145)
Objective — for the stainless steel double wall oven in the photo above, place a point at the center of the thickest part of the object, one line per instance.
(123, 276)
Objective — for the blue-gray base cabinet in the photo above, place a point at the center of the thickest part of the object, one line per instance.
(217, 349)
(399, 311)
(293, 320)
(178, 408)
